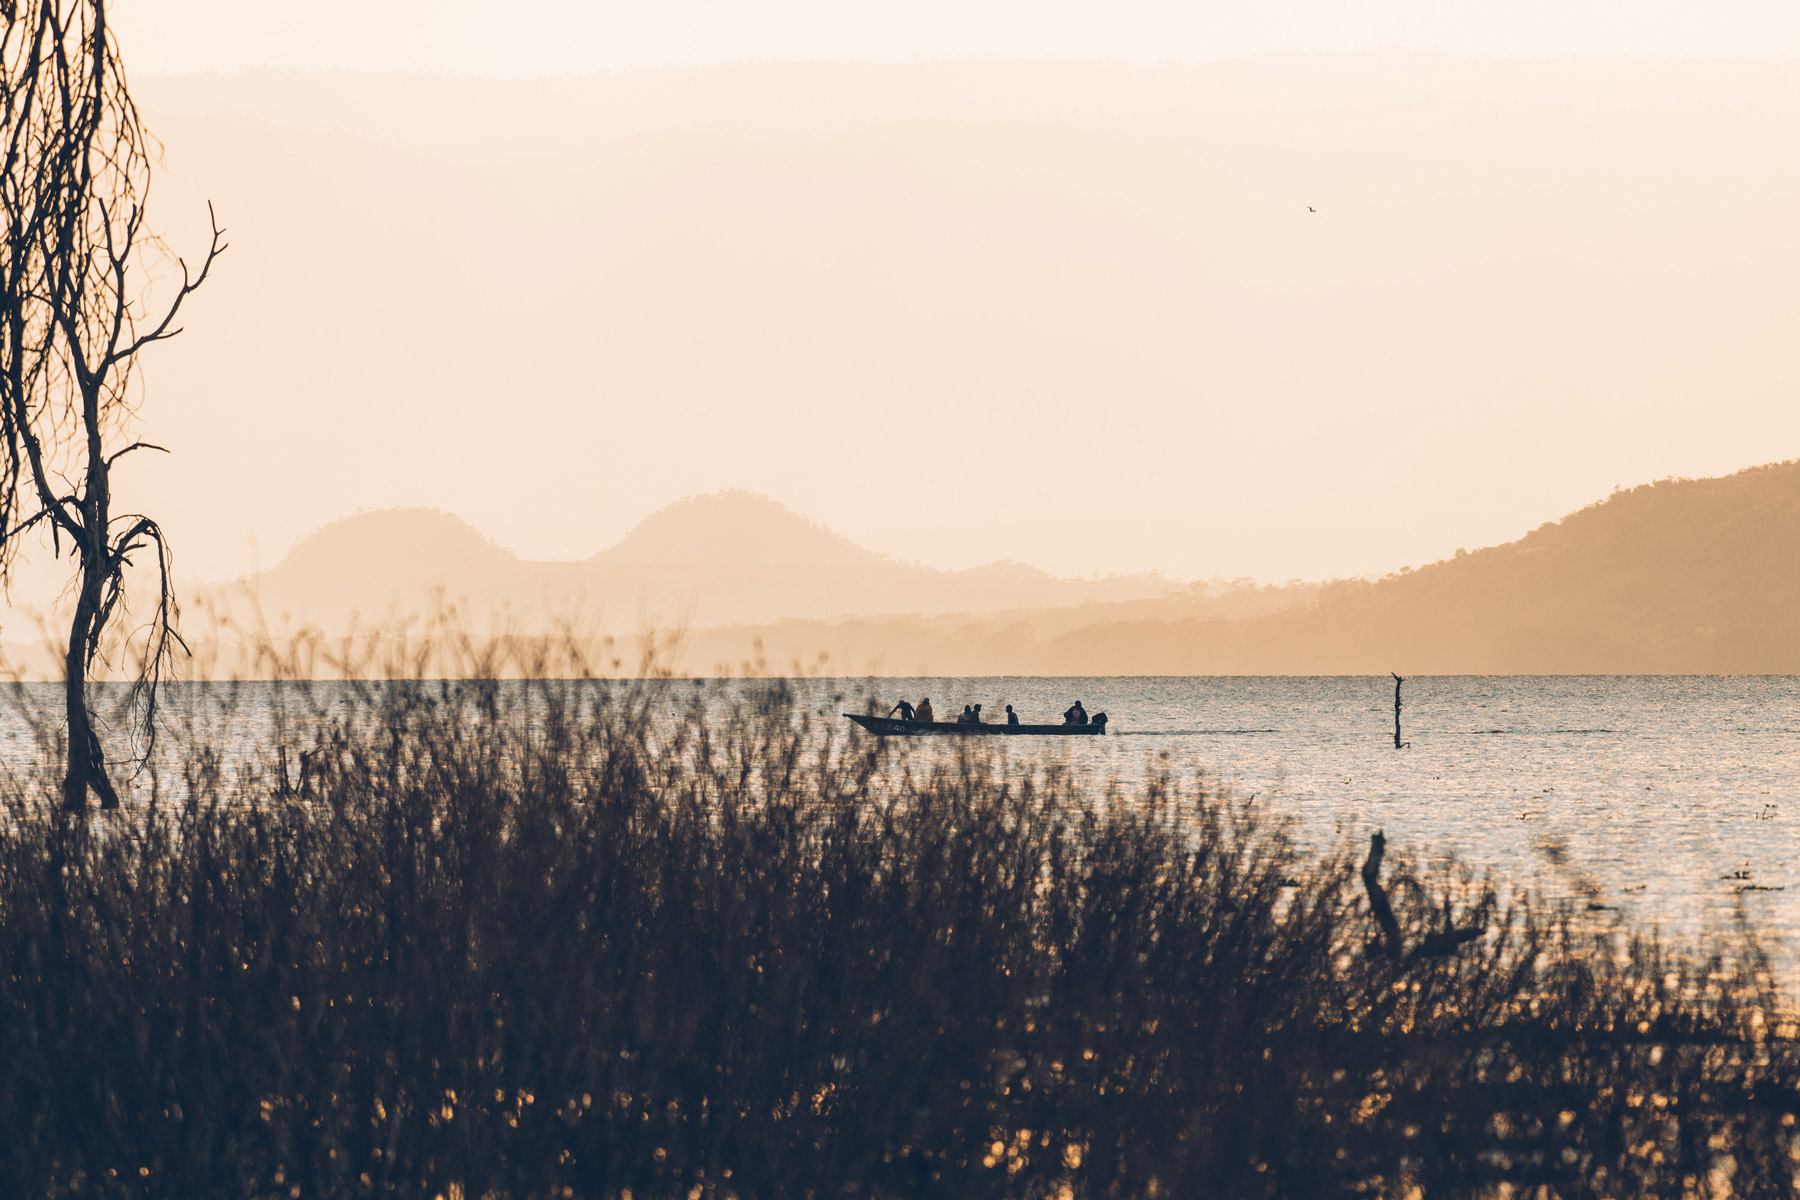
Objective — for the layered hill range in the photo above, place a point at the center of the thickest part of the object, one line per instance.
(730, 558)
(1678, 576)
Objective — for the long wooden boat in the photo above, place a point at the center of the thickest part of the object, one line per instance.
(893, 726)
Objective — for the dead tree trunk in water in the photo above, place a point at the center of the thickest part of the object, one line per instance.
(1437, 943)
(1391, 940)
(1398, 744)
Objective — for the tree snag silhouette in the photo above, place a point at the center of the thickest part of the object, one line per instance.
(1436, 943)
(76, 264)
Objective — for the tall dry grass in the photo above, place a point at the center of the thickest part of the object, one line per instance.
(538, 938)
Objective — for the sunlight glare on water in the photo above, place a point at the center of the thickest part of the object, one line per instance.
(1678, 796)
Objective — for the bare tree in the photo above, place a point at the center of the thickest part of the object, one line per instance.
(76, 270)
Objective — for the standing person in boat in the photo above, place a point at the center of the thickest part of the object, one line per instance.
(924, 711)
(1076, 715)
(1012, 718)
(904, 709)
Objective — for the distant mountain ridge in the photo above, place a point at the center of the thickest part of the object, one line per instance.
(722, 558)
(1681, 576)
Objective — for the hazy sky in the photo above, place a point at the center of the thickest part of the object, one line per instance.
(1080, 318)
(539, 37)
(1118, 344)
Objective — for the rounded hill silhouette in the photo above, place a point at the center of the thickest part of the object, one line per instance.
(393, 543)
(735, 526)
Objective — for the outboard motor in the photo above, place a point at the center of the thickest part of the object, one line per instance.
(1100, 720)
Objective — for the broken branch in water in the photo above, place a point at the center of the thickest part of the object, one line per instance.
(1378, 901)
(1436, 944)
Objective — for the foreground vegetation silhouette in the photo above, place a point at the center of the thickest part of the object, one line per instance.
(531, 938)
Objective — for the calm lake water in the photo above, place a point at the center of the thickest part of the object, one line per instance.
(1677, 798)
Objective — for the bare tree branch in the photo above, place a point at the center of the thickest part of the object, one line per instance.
(189, 286)
(116, 455)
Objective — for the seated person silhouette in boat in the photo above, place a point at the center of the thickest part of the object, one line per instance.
(975, 716)
(924, 711)
(967, 717)
(1076, 715)
(904, 709)
(1012, 718)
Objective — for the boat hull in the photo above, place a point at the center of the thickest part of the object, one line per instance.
(894, 727)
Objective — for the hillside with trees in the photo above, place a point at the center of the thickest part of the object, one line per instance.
(1674, 577)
